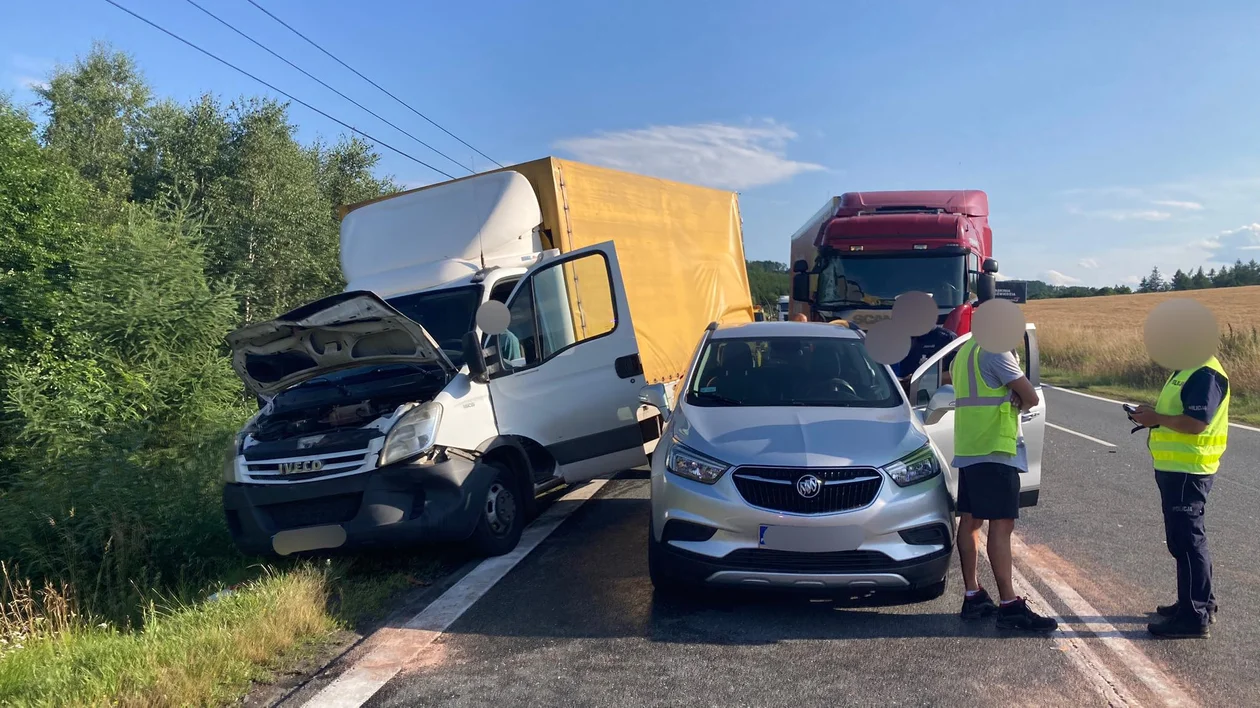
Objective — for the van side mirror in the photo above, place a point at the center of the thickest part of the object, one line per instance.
(475, 358)
(941, 403)
(800, 287)
(656, 395)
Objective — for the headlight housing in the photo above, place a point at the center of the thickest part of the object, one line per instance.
(916, 467)
(413, 434)
(685, 462)
(229, 464)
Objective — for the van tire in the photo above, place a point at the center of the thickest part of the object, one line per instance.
(501, 517)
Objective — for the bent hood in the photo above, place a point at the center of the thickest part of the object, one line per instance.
(338, 332)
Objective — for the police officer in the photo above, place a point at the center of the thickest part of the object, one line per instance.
(1188, 429)
(989, 452)
(921, 349)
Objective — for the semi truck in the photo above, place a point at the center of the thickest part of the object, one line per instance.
(389, 414)
(861, 250)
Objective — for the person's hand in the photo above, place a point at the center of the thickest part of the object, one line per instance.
(1017, 401)
(1145, 416)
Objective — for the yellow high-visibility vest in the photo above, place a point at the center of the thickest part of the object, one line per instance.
(1172, 451)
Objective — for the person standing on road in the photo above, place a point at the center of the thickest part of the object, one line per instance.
(1188, 429)
(989, 453)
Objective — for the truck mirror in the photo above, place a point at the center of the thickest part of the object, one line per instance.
(475, 357)
(986, 287)
(989, 266)
(800, 287)
(800, 267)
(493, 317)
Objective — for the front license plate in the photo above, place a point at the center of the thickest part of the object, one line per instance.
(810, 539)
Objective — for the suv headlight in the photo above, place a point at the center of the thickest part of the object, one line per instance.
(412, 434)
(685, 462)
(914, 468)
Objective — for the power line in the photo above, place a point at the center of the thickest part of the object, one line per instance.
(286, 94)
(378, 86)
(306, 73)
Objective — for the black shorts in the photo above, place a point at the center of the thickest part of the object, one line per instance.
(989, 490)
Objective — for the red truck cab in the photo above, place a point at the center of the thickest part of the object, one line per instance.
(863, 249)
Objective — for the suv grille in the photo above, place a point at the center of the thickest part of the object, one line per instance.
(774, 488)
(768, 561)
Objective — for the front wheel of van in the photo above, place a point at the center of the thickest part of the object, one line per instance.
(502, 515)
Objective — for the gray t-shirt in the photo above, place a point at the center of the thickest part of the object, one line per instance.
(999, 370)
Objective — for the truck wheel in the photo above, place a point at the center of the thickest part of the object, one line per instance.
(502, 516)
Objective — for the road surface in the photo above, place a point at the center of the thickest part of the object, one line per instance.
(575, 621)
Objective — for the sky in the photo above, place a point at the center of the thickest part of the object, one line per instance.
(1110, 137)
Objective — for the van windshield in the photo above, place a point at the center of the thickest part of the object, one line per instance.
(790, 371)
(447, 315)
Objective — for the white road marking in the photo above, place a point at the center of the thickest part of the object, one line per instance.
(1073, 645)
(1160, 684)
(394, 648)
(1240, 426)
(1104, 443)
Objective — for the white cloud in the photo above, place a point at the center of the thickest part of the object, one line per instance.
(1121, 214)
(1054, 277)
(711, 154)
(1088, 263)
(1242, 243)
(1174, 204)
(1132, 279)
(31, 83)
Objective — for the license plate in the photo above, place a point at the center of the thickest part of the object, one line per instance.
(808, 539)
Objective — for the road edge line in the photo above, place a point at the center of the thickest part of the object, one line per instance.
(395, 647)
(1104, 443)
(1240, 426)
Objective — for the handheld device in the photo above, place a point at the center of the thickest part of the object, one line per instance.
(1129, 410)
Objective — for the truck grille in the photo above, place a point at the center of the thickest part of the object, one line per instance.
(314, 512)
(298, 469)
(774, 488)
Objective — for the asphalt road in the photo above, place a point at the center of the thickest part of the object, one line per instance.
(576, 621)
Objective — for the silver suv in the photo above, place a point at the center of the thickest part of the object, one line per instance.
(791, 459)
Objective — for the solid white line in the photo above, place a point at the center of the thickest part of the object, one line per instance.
(1073, 645)
(1160, 684)
(1104, 443)
(394, 648)
(1240, 426)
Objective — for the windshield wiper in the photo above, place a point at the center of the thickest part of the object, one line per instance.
(717, 398)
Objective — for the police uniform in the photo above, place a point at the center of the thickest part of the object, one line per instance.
(922, 348)
(1184, 468)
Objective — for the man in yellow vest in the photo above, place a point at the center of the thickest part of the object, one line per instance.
(1189, 426)
(990, 392)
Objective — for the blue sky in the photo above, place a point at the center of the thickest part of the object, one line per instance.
(1111, 137)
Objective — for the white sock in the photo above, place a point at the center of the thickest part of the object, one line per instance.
(973, 593)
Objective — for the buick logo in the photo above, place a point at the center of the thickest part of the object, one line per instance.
(304, 466)
(809, 486)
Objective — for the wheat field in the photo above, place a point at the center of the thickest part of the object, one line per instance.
(1097, 341)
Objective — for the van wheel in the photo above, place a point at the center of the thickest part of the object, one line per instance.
(502, 517)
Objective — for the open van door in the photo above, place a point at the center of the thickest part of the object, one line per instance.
(570, 370)
(927, 382)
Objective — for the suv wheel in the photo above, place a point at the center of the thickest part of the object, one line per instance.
(662, 580)
(502, 515)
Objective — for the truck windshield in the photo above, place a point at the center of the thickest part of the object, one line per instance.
(874, 281)
(446, 314)
(790, 371)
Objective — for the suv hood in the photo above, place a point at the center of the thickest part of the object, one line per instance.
(338, 332)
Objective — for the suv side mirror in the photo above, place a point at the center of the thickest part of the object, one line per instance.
(941, 403)
(800, 287)
(656, 395)
(475, 358)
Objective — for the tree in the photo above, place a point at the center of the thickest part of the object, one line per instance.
(767, 281)
(1200, 281)
(1223, 278)
(1180, 281)
(1153, 283)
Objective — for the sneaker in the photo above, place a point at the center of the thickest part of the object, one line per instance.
(977, 606)
(1018, 615)
(1179, 628)
(1171, 611)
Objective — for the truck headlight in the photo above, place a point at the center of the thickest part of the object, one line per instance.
(914, 468)
(685, 462)
(412, 434)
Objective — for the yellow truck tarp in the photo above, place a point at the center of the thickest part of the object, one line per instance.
(680, 248)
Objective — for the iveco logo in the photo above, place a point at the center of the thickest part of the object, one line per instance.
(301, 466)
(809, 486)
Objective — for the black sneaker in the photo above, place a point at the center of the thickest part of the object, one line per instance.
(1018, 615)
(1171, 611)
(1179, 627)
(977, 606)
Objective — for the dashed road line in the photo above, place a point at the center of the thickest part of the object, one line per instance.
(1104, 443)
(395, 648)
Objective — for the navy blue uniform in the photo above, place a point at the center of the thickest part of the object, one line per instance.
(1184, 497)
(922, 348)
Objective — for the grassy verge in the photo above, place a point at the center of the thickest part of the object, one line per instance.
(202, 653)
(1242, 408)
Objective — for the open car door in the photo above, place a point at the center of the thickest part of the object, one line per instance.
(570, 370)
(929, 379)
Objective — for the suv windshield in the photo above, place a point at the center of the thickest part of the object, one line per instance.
(877, 280)
(446, 314)
(790, 371)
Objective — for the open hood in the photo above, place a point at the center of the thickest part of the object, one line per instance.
(338, 332)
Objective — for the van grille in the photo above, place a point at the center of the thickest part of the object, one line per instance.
(774, 488)
(298, 469)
